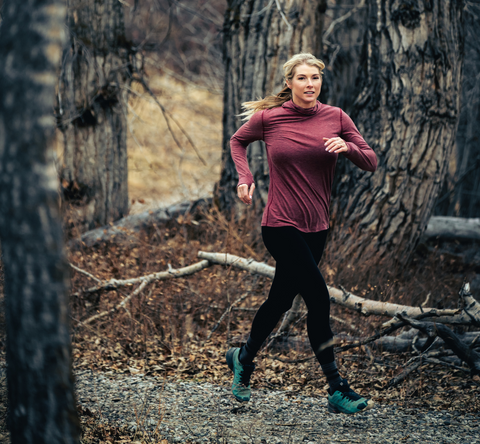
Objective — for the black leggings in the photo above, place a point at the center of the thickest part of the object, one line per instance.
(297, 255)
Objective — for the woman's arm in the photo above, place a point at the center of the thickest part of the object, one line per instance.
(358, 150)
(246, 134)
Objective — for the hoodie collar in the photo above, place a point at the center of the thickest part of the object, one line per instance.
(306, 111)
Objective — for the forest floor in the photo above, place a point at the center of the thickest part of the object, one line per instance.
(171, 329)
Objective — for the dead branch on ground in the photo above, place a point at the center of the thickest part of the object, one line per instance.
(143, 281)
(452, 341)
(361, 305)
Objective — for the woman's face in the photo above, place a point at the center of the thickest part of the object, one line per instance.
(306, 85)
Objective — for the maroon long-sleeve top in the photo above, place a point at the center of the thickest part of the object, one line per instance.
(301, 170)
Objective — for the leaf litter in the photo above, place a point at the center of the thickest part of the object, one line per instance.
(164, 330)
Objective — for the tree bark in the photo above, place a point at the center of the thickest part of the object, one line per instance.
(258, 40)
(461, 193)
(407, 111)
(92, 112)
(39, 376)
(342, 41)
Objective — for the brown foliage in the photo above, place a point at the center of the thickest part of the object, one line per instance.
(165, 329)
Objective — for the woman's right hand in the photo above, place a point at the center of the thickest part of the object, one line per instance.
(245, 194)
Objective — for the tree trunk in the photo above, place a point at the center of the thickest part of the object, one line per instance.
(258, 40)
(407, 111)
(92, 112)
(462, 189)
(342, 40)
(40, 381)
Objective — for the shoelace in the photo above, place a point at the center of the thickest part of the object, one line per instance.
(245, 375)
(351, 395)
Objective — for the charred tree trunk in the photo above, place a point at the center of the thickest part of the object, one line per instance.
(342, 40)
(40, 381)
(407, 110)
(258, 39)
(461, 193)
(92, 112)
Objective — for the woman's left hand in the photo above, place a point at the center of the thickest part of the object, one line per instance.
(335, 145)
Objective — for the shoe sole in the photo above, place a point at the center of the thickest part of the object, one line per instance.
(332, 409)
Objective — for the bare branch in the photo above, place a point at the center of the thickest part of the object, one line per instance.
(399, 378)
(162, 275)
(117, 307)
(364, 306)
(86, 273)
(143, 281)
(452, 341)
(168, 116)
(373, 338)
(227, 311)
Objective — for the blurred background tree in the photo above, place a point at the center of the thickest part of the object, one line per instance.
(92, 109)
(36, 275)
(461, 191)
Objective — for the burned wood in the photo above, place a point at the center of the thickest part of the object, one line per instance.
(469, 304)
(452, 341)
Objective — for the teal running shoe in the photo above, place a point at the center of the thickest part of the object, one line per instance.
(241, 375)
(342, 399)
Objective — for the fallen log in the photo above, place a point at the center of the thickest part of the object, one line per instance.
(124, 228)
(452, 228)
(361, 305)
(403, 343)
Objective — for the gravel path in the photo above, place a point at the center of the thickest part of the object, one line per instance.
(208, 413)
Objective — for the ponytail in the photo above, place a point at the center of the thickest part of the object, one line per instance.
(250, 108)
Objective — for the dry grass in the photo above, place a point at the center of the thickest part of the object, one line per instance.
(161, 172)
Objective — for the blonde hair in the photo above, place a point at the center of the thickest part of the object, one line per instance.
(274, 101)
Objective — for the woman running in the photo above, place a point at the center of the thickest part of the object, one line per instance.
(303, 139)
